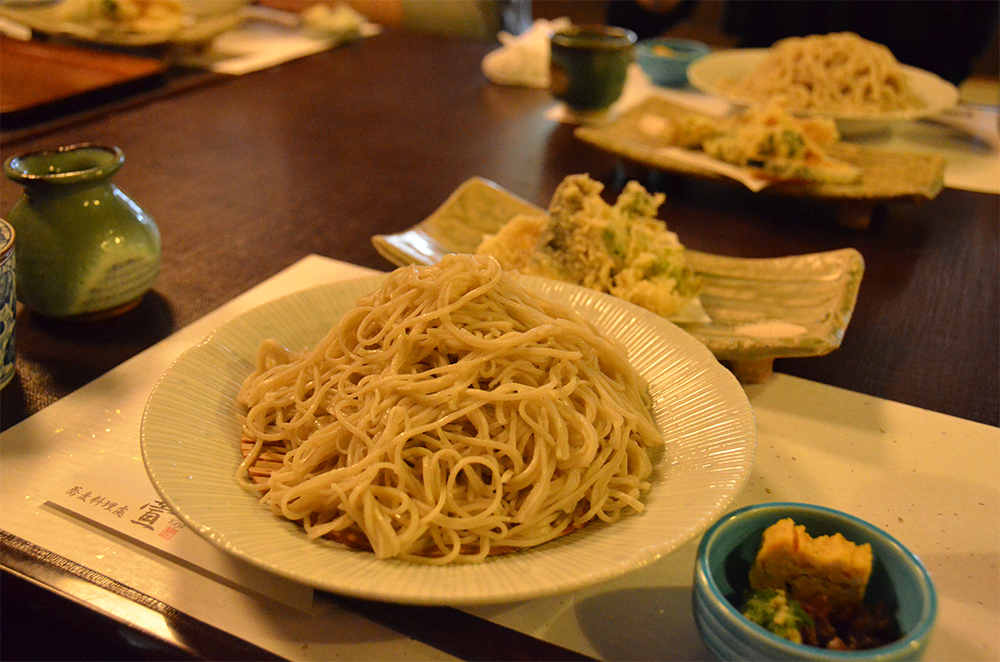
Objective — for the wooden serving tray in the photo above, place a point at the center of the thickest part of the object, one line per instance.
(36, 74)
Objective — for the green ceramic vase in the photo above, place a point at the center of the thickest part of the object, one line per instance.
(84, 248)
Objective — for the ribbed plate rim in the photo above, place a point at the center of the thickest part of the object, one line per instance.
(185, 447)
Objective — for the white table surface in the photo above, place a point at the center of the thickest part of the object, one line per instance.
(931, 480)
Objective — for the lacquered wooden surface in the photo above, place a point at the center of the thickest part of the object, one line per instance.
(246, 175)
(37, 74)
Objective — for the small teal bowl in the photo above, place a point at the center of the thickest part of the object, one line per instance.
(666, 61)
(728, 549)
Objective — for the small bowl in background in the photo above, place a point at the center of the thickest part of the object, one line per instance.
(665, 60)
(729, 548)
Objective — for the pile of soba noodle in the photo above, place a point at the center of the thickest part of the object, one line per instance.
(450, 415)
(839, 73)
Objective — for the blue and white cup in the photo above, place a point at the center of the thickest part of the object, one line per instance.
(8, 303)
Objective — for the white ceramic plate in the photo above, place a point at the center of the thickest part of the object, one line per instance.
(190, 446)
(203, 20)
(708, 72)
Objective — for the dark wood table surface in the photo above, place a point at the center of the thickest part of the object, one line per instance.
(246, 175)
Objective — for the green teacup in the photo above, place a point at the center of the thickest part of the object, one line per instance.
(589, 64)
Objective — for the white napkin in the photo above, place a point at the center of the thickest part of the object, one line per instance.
(340, 23)
(270, 37)
(523, 60)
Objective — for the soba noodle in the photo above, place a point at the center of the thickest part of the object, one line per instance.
(834, 73)
(450, 415)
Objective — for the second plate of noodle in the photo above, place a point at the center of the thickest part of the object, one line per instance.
(440, 497)
(840, 76)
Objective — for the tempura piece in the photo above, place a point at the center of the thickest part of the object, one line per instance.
(620, 249)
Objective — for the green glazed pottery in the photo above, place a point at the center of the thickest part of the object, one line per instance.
(84, 249)
(589, 65)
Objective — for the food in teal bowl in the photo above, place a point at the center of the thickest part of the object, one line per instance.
(665, 61)
(748, 548)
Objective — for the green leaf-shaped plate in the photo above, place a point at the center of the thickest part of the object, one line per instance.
(761, 309)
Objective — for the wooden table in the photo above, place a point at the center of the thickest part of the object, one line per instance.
(246, 175)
